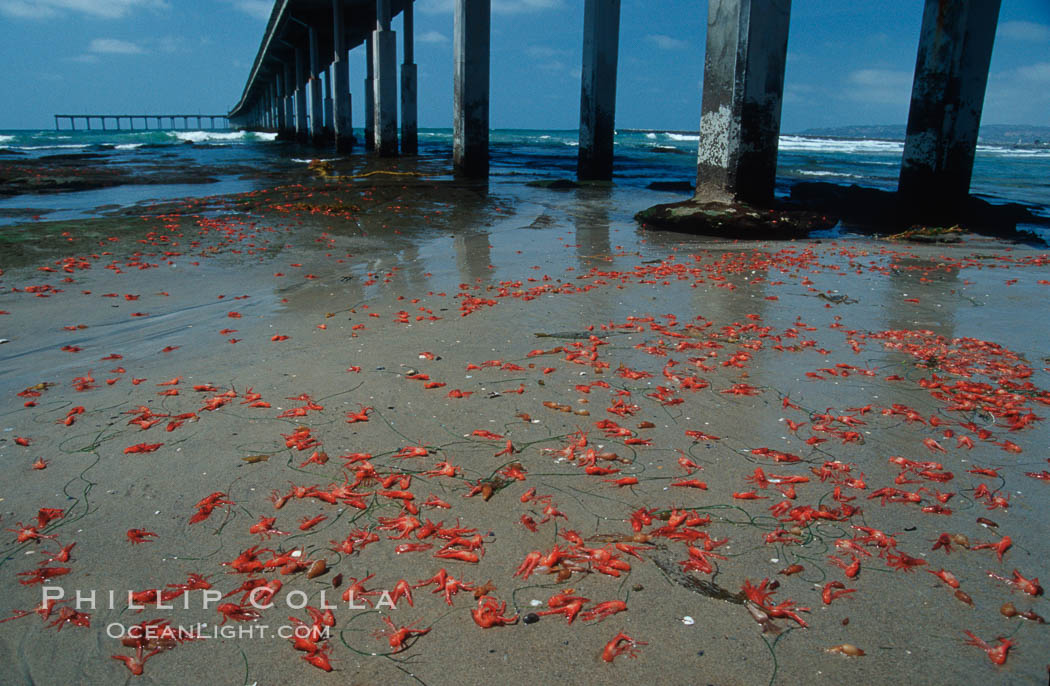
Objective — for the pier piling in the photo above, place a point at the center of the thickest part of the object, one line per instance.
(409, 125)
(289, 99)
(743, 89)
(470, 137)
(601, 38)
(385, 47)
(316, 103)
(370, 110)
(951, 73)
(282, 121)
(300, 96)
(326, 75)
(341, 76)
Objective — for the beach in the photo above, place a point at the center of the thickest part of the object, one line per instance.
(707, 461)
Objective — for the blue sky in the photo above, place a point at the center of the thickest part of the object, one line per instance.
(848, 62)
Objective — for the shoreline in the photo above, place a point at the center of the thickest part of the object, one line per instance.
(43, 190)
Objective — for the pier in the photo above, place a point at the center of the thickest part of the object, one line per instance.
(117, 122)
(298, 86)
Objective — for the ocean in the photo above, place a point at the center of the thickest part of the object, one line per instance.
(1017, 174)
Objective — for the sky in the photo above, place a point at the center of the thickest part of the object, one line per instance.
(849, 63)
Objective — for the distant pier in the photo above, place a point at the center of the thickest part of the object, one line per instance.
(126, 122)
(299, 87)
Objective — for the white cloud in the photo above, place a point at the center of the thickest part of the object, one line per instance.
(498, 6)
(259, 9)
(546, 52)
(114, 46)
(880, 77)
(435, 6)
(517, 6)
(882, 86)
(796, 93)
(106, 9)
(1018, 95)
(24, 10)
(1038, 72)
(170, 44)
(432, 37)
(666, 42)
(552, 66)
(1024, 30)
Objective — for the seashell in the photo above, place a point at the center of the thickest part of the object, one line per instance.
(318, 568)
(847, 649)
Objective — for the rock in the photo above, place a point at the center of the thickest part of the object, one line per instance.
(684, 186)
(732, 220)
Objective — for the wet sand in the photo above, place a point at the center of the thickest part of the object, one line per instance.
(371, 278)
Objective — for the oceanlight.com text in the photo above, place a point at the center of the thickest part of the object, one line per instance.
(204, 631)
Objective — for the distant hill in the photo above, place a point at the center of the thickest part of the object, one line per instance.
(994, 134)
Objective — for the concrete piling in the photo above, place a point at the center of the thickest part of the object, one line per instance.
(316, 102)
(740, 110)
(385, 94)
(326, 74)
(289, 98)
(301, 132)
(282, 96)
(951, 73)
(470, 138)
(601, 37)
(341, 119)
(409, 125)
(370, 110)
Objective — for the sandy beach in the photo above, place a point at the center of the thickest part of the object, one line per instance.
(763, 451)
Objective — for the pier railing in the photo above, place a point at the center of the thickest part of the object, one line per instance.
(126, 122)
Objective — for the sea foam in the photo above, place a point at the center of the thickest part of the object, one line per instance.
(221, 136)
(804, 144)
